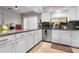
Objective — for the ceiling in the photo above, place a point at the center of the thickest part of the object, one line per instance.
(36, 9)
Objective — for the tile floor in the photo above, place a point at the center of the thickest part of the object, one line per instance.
(45, 47)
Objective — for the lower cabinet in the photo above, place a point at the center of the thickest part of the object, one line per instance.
(75, 38)
(36, 37)
(7, 44)
(30, 40)
(21, 43)
(7, 49)
(25, 41)
(55, 36)
(65, 37)
(62, 37)
(39, 35)
(21, 46)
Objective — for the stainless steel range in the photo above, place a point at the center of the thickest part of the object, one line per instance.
(47, 32)
(47, 35)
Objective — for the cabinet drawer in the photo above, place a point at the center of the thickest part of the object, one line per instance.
(6, 39)
(20, 35)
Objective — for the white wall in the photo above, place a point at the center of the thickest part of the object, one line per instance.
(45, 17)
(10, 17)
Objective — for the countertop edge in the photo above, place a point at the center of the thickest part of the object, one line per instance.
(16, 32)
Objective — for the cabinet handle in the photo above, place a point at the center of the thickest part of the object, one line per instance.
(3, 40)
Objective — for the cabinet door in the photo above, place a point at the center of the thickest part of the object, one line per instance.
(75, 38)
(33, 37)
(6, 49)
(78, 13)
(21, 43)
(55, 36)
(36, 37)
(21, 46)
(45, 17)
(40, 35)
(6, 44)
(65, 37)
(72, 13)
(30, 40)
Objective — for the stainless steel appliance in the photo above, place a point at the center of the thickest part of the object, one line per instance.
(47, 32)
(47, 35)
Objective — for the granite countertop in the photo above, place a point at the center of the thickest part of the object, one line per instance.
(67, 29)
(9, 32)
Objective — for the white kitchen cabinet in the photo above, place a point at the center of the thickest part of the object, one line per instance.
(72, 13)
(75, 38)
(21, 43)
(36, 37)
(45, 17)
(77, 12)
(33, 36)
(30, 39)
(55, 36)
(6, 49)
(65, 37)
(7, 44)
(40, 35)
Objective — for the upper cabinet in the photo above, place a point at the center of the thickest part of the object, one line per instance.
(72, 13)
(78, 13)
(59, 14)
(45, 17)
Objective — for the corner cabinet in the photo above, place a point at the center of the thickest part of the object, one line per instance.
(38, 36)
